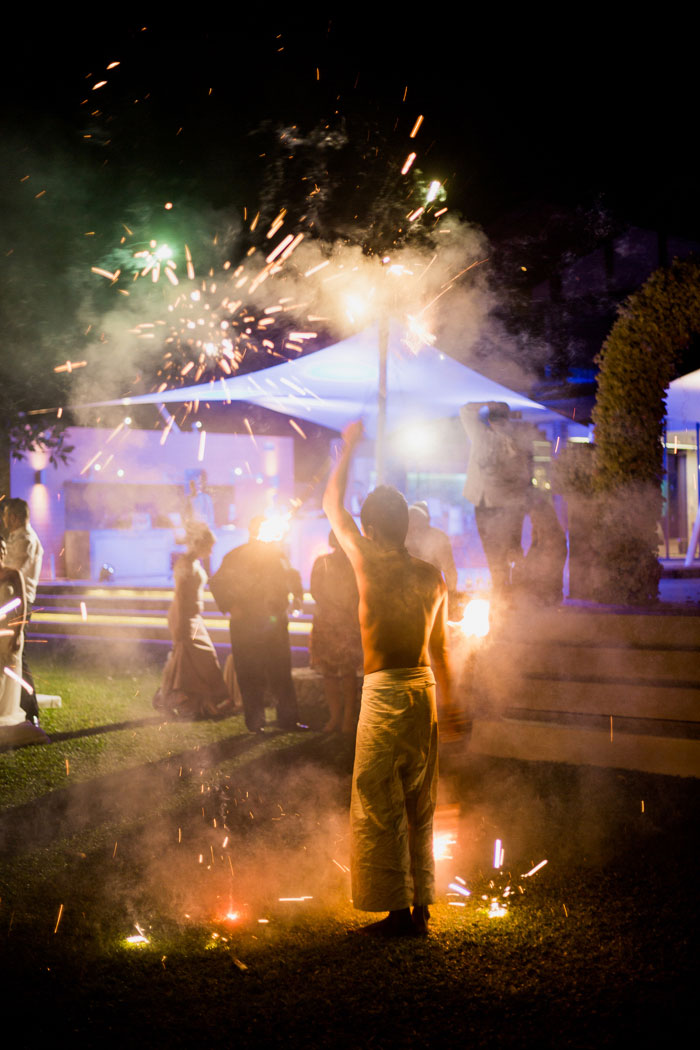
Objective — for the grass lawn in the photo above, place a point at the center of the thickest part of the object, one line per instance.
(226, 855)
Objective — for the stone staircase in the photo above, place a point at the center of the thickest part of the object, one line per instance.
(592, 685)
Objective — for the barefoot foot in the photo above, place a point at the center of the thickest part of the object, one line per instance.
(419, 917)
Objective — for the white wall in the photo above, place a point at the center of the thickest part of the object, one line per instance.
(262, 471)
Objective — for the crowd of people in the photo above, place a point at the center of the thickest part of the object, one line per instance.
(381, 597)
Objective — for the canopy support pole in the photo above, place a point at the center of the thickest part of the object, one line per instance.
(380, 446)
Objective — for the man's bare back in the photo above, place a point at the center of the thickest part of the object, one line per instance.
(400, 606)
(403, 601)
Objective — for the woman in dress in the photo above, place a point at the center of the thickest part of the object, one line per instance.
(192, 684)
(336, 648)
(14, 727)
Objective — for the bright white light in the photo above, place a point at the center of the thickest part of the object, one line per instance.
(475, 621)
(274, 528)
(442, 843)
(416, 440)
(356, 307)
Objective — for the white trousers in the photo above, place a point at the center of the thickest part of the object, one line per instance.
(394, 791)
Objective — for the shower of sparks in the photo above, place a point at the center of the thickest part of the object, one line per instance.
(17, 678)
(208, 320)
(408, 163)
(10, 606)
(533, 870)
(416, 127)
(70, 366)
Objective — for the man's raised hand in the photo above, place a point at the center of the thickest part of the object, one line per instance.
(353, 433)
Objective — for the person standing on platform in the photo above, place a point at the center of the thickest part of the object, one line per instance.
(499, 474)
(253, 584)
(24, 553)
(403, 614)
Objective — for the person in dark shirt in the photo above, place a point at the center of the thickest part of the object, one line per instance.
(253, 584)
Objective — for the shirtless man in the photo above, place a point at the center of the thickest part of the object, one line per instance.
(403, 611)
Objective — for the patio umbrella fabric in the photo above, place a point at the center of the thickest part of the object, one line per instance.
(338, 384)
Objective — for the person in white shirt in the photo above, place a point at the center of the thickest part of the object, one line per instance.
(24, 553)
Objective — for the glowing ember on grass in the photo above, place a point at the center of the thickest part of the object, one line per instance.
(137, 938)
(497, 910)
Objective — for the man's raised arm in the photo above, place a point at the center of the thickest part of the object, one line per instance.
(340, 519)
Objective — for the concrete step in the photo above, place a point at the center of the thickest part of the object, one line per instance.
(553, 684)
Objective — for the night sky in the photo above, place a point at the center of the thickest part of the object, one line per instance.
(513, 110)
(577, 111)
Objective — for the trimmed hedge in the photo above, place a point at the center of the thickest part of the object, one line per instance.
(637, 362)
